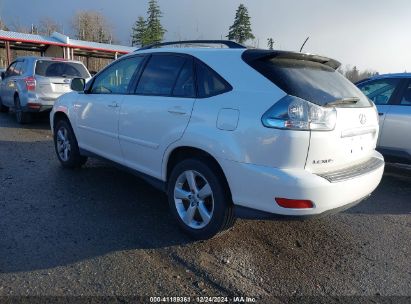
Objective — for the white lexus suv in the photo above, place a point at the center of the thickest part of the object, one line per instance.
(227, 132)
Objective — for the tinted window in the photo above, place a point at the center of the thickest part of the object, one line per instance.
(160, 75)
(116, 78)
(184, 86)
(19, 68)
(379, 91)
(209, 83)
(312, 81)
(11, 71)
(50, 68)
(406, 98)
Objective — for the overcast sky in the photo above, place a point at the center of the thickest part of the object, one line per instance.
(370, 34)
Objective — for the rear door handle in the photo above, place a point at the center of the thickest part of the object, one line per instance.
(113, 105)
(177, 110)
(380, 114)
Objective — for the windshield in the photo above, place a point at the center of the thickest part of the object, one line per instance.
(312, 81)
(50, 68)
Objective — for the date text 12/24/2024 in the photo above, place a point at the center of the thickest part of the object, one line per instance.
(202, 299)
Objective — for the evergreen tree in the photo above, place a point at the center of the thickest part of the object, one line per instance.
(138, 36)
(148, 31)
(154, 31)
(241, 31)
(270, 43)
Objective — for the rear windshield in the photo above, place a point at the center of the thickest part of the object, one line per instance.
(49, 68)
(312, 81)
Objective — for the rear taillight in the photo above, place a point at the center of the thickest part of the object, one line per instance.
(293, 203)
(30, 83)
(294, 113)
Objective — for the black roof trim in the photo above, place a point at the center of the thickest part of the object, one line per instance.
(230, 44)
(255, 54)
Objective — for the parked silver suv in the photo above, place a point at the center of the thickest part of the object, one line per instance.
(32, 84)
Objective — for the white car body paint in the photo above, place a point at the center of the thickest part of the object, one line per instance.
(141, 132)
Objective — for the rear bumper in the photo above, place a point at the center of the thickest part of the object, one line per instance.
(38, 105)
(256, 187)
(37, 108)
(252, 214)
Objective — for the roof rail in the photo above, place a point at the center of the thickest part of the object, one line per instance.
(230, 44)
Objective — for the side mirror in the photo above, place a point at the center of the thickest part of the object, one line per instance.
(77, 84)
(3, 75)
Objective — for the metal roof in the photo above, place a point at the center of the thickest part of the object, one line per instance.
(100, 46)
(32, 38)
(62, 40)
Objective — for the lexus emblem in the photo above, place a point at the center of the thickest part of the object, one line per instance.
(363, 118)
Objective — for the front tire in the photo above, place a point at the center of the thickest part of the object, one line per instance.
(199, 199)
(66, 146)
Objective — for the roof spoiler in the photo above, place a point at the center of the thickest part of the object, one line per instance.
(255, 54)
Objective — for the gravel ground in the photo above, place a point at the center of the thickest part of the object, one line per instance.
(99, 231)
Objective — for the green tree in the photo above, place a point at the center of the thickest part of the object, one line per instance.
(154, 31)
(149, 31)
(241, 31)
(138, 35)
(270, 43)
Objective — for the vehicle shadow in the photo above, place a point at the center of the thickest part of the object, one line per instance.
(52, 216)
(392, 196)
(40, 121)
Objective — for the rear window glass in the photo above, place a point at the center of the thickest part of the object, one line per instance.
(49, 68)
(160, 75)
(312, 81)
(184, 86)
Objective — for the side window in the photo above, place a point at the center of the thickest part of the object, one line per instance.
(116, 78)
(184, 86)
(18, 69)
(209, 83)
(11, 70)
(160, 75)
(406, 98)
(379, 91)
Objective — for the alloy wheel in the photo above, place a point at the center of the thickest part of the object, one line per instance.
(63, 144)
(194, 199)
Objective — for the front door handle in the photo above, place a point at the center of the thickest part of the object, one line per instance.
(380, 114)
(177, 110)
(113, 105)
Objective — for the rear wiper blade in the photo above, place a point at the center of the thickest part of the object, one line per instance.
(343, 101)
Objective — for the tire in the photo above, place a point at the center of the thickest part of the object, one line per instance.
(21, 116)
(3, 108)
(66, 146)
(201, 211)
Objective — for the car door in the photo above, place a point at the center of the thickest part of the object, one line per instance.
(98, 108)
(382, 92)
(396, 134)
(159, 111)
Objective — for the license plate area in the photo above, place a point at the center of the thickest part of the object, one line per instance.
(356, 146)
